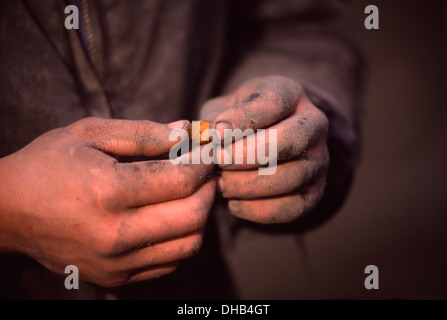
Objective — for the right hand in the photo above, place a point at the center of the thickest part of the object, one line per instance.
(65, 201)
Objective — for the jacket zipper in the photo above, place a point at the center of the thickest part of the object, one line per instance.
(87, 34)
(86, 59)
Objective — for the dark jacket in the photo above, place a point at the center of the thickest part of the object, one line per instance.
(160, 60)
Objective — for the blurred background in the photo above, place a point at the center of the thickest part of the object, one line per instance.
(396, 214)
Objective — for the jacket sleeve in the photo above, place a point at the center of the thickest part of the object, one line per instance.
(314, 43)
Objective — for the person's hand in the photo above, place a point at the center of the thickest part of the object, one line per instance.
(299, 181)
(65, 201)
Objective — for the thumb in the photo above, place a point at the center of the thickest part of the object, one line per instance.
(131, 137)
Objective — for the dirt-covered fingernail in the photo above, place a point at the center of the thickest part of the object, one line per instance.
(181, 124)
(235, 206)
(220, 185)
(221, 126)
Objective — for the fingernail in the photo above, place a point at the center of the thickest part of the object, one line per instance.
(235, 206)
(221, 126)
(220, 185)
(177, 124)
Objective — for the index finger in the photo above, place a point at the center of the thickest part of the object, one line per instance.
(149, 182)
(164, 221)
(273, 99)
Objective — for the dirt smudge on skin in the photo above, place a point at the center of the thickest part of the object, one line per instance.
(286, 153)
(251, 97)
(121, 246)
(285, 212)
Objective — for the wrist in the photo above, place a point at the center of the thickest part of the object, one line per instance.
(8, 205)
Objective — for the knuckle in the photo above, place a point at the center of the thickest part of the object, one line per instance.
(285, 213)
(165, 271)
(154, 274)
(137, 136)
(144, 123)
(275, 99)
(146, 132)
(107, 272)
(324, 125)
(301, 135)
(87, 121)
(322, 120)
(291, 134)
(108, 243)
(190, 177)
(200, 211)
(85, 125)
(285, 216)
(113, 280)
(103, 248)
(325, 161)
(321, 188)
(195, 245)
(91, 128)
(105, 196)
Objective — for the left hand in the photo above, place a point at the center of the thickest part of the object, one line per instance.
(303, 158)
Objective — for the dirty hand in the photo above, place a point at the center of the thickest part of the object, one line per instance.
(65, 201)
(300, 177)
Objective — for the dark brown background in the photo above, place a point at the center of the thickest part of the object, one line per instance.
(395, 216)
